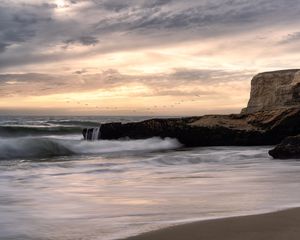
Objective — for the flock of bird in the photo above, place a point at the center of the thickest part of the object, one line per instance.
(148, 109)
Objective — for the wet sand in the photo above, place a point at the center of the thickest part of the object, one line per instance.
(283, 225)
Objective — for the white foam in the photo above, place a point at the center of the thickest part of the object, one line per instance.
(30, 147)
(95, 133)
(109, 146)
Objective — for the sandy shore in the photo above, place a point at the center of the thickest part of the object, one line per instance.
(283, 225)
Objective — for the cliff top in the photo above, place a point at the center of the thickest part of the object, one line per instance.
(273, 90)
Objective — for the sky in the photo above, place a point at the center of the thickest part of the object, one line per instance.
(140, 57)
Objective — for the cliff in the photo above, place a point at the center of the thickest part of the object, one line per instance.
(273, 90)
(273, 113)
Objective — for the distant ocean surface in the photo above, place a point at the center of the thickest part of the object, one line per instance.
(54, 185)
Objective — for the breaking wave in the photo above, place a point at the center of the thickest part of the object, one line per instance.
(74, 123)
(38, 147)
(19, 131)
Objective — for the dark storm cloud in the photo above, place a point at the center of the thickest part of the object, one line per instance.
(37, 27)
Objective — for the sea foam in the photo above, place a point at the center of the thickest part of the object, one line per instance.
(41, 147)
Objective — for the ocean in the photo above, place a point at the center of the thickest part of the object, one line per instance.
(54, 185)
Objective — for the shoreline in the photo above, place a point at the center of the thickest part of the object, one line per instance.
(278, 225)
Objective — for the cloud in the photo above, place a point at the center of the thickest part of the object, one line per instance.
(80, 71)
(230, 14)
(3, 46)
(83, 40)
(29, 19)
(156, 3)
(114, 5)
(291, 38)
(36, 32)
(179, 81)
(168, 47)
(196, 74)
(19, 23)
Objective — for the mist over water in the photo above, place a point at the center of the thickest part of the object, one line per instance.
(53, 185)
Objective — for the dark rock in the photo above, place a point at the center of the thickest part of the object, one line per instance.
(260, 128)
(287, 149)
(273, 113)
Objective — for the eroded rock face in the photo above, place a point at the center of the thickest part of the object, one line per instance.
(273, 90)
(260, 128)
(289, 148)
(273, 113)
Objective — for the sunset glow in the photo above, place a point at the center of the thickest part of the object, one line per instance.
(114, 60)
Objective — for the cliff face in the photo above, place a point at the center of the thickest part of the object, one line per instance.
(273, 90)
(273, 113)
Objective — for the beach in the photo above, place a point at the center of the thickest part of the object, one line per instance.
(56, 186)
(281, 225)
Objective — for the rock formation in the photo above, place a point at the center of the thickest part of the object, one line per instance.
(261, 128)
(273, 90)
(288, 148)
(273, 113)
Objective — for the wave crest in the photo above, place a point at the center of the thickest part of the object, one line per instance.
(29, 147)
(21, 131)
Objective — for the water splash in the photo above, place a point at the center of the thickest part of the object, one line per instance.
(38, 147)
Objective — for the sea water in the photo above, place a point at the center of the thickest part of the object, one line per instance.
(54, 185)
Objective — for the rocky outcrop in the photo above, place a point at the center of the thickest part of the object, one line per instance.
(273, 90)
(261, 128)
(273, 113)
(289, 148)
